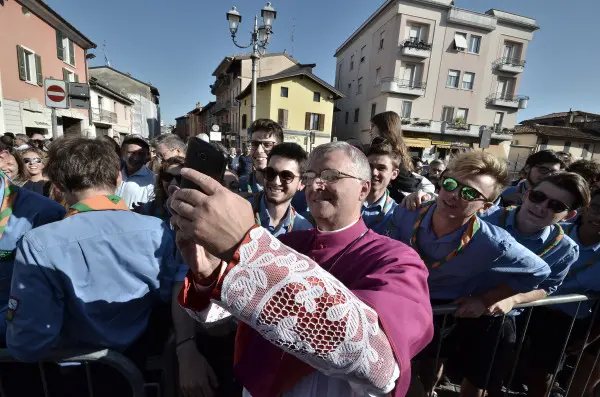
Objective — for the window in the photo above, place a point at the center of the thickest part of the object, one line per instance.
(65, 49)
(498, 119)
(415, 33)
(30, 66)
(448, 114)
(468, 80)
(452, 80)
(362, 53)
(460, 41)
(377, 76)
(70, 76)
(314, 122)
(461, 116)
(282, 118)
(351, 62)
(244, 121)
(474, 44)
(347, 117)
(586, 151)
(406, 109)
(284, 92)
(317, 97)
(567, 147)
(544, 144)
(373, 109)
(100, 102)
(381, 40)
(360, 86)
(349, 88)
(356, 114)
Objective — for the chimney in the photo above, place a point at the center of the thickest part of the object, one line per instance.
(570, 117)
(198, 105)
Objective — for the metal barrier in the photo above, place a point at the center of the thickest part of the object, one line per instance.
(446, 310)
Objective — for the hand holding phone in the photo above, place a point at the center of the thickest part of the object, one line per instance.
(205, 158)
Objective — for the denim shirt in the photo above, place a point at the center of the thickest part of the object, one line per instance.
(29, 211)
(492, 258)
(373, 216)
(89, 281)
(560, 258)
(291, 221)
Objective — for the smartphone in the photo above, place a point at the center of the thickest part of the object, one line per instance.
(205, 158)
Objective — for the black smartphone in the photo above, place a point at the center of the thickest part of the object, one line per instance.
(205, 158)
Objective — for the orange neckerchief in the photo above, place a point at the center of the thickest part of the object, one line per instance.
(98, 203)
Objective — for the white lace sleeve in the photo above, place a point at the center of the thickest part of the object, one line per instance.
(295, 304)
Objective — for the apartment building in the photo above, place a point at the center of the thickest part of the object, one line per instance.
(37, 43)
(234, 75)
(111, 110)
(447, 72)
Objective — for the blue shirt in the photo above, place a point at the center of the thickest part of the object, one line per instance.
(90, 281)
(29, 211)
(584, 276)
(376, 216)
(248, 184)
(492, 258)
(137, 188)
(521, 188)
(291, 221)
(560, 258)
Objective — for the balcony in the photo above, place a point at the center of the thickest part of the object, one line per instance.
(449, 129)
(407, 87)
(421, 125)
(220, 84)
(472, 19)
(103, 116)
(220, 107)
(508, 101)
(416, 49)
(510, 65)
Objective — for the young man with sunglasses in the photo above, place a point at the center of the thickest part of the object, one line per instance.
(537, 167)
(272, 207)
(471, 263)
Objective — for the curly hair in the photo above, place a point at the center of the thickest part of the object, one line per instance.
(588, 169)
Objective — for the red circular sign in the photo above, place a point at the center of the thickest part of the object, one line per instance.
(56, 93)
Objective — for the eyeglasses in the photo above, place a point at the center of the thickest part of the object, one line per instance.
(467, 193)
(38, 142)
(168, 177)
(34, 160)
(545, 170)
(326, 176)
(539, 197)
(285, 176)
(267, 145)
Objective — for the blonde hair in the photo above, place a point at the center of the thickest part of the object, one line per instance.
(481, 163)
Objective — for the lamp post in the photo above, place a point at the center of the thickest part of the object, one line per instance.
(260, 39)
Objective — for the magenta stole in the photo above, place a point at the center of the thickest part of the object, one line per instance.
(385, 274)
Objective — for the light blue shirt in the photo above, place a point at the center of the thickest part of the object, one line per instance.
(29, 211)
(90, 280)
(492, 258)
(137, 188)
(584, 276)
(560, 258)
(376, 216)
(250, 182)
(291, 221)
(521, 188)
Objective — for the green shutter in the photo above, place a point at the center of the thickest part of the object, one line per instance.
(65, 74)
(71, 53)
(38, 70)
(60, 51)
(76, 78)
(21, 62)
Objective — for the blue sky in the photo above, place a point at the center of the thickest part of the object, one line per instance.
(177, 44)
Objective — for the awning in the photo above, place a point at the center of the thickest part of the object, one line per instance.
(417, 142)
(442, 144)
(460, 41)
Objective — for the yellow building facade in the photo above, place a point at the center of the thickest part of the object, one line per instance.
(300, 102)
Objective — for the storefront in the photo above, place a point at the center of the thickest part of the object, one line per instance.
(416, 146)
(445, 149)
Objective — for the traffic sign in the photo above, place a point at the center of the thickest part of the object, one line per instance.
(56, 94)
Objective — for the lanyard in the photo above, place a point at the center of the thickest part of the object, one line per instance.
(384, 210)
(257, 199)
(551, 244)
(472, 228)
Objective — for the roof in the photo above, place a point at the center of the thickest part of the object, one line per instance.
(153, 89)
(240, 57)
(561, 115)
(101, 86)
(287, 75)
(39, 6)
(571, 133)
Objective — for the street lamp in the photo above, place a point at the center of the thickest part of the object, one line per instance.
(260, 39)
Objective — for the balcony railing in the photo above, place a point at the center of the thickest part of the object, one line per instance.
(452, 129)
(508, 101)
(415, 48)
(101, 115)
(398, 86)
(511, 65)
(221, 82)
(220, 107)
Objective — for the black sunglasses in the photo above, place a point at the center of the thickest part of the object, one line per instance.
(168, 177)
(285, 176)
(467, 193)
(265, 144)
(539, 197)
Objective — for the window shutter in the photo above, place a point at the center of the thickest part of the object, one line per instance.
(65, 74)
(60, 51)
(321, 122)
(71, 53)
(21, 62)
(280, 117)
(76, 78)
(38, 70)
(285, 118)
(307, 122)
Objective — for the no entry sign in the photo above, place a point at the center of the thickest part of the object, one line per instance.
(56, 93)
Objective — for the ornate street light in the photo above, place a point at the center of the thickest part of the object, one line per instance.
(234, 19)
(268, 14)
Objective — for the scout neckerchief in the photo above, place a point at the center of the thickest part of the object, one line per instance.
(98, 203)
(257, 200)
(8, 201)
(384, 209)
(472, 228)
(550, 246)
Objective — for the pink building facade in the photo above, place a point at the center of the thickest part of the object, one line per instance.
(37, 44)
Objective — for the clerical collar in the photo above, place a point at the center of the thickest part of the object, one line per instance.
(339, 230)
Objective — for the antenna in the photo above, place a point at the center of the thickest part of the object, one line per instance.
(293, 35)
(106, 61)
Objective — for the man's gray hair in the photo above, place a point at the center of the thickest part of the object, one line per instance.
(359, 164)
(437, 161)
(22, 137)
(172, 141)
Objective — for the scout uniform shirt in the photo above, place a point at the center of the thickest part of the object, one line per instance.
(21, 211)
(475, 259)
(291, 221)
(377, 215)
(90, 280)
(551, 244)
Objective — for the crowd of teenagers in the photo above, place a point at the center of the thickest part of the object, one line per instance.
(298, 274)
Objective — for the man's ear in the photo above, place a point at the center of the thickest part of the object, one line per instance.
(366, 188)
(395, 173)
(572, 214)
(486, 207)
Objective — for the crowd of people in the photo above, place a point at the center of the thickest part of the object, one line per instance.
(298, 274)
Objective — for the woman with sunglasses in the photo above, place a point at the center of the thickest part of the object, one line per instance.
(34, 161)
(169, 174)
(387, 127)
